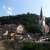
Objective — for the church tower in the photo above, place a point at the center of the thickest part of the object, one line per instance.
(41, 20)
(41, 17)
(41, 14)
(43, 25)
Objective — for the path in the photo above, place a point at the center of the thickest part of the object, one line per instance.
(1, 45)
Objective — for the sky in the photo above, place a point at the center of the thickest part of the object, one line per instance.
(15, 7)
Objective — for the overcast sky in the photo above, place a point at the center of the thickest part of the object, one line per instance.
(14, 7)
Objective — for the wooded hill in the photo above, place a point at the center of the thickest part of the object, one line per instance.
(30, 21)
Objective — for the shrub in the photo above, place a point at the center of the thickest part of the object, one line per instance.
(8, 44)
(36, 46)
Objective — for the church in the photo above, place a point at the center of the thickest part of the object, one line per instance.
(42, 23)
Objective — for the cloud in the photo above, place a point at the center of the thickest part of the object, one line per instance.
(9, 12)
(10, 9)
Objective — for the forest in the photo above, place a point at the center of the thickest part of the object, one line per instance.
(29, 20)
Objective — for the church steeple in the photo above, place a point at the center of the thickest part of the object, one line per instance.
(41, 17)
(41, 14)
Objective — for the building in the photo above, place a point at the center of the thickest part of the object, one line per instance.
(20, 28)
(42, 23)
